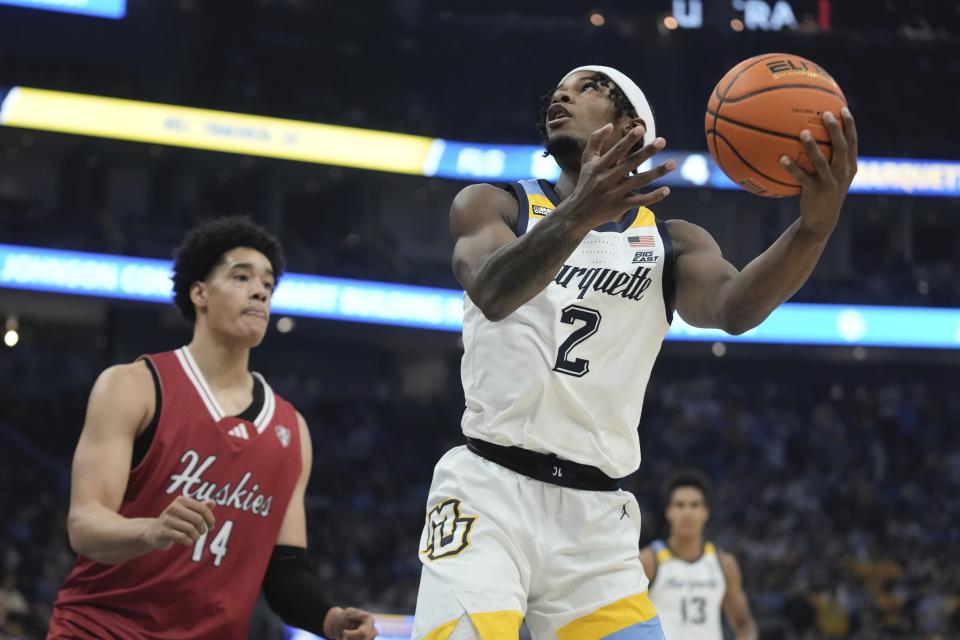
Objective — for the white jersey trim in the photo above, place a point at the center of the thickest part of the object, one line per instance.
(199, 383)
(269, 405)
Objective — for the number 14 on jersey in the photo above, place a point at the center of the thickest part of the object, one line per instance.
(218, 548)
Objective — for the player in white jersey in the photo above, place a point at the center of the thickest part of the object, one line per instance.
(691, 582)
(570, 289)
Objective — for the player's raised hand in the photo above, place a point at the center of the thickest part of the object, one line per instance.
(606, 189)
(822, 193)
(349, 624)
(182, 522)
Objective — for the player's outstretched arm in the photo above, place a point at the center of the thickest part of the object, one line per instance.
(291, 587)
(735, 605)
(712, 293)
(121, 404)
(500, 272)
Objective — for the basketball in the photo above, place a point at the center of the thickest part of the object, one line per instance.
(755, 115)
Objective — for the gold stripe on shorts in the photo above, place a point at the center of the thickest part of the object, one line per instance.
(443, 631)
(609, 619)
(495, 625)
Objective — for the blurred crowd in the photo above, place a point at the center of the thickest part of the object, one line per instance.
(836, 491)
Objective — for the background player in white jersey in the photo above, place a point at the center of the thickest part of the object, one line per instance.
(570, 289)
(691, 581)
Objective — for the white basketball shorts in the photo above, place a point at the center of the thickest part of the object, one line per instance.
(499, 547)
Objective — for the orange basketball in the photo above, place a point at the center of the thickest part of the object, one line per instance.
(756, 113)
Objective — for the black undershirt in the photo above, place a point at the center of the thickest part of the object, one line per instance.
(142, 444)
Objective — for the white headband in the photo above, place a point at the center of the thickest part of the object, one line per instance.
(633, 93)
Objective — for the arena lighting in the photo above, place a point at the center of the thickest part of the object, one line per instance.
(382, 151)
(115, 9)
(107, 276)
(11, 334)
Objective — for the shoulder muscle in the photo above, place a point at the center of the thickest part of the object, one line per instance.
(731, 568)
(690, 238)
(479, 205)
(127, 392)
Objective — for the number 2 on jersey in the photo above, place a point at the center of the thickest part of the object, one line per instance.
(218, 547)
(591, 322)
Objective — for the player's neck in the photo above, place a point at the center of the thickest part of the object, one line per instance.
(686, 548)
(567, 182)
(223, 366)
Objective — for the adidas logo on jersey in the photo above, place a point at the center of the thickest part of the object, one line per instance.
(239, 431)
(608, 281)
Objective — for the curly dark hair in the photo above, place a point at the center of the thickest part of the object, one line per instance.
(204, 247)
(620, 101)
(686, 478)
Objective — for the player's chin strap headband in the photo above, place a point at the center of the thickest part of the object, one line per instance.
(633, 93)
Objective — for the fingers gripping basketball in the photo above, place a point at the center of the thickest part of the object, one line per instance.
(756, 113)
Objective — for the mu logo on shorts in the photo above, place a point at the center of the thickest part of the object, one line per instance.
(447, 533)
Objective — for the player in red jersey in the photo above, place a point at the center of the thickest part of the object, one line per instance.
(189, 476)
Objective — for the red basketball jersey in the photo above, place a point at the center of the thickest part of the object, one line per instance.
(208, 590)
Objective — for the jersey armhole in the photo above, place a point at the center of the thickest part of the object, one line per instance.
(656, 568)
(656, 547)
(141, 445)
(668, 286)
(523, 206)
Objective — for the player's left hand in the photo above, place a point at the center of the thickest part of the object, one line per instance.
(349, 624)
(822, 193)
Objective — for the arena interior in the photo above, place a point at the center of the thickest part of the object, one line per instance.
(830, 433)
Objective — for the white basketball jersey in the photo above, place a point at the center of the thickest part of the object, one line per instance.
(566, 372)
(689, 595)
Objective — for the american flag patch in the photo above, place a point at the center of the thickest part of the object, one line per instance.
(638, 242)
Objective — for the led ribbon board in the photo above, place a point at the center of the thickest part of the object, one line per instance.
(115, 9)
(101, 275)
(213, 130)
(393, 152)
(148, 280)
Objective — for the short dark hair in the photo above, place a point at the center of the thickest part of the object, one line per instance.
(686, 478)
(204, 247)
(621, 103)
